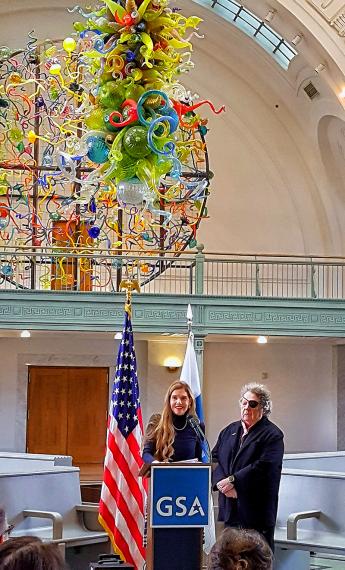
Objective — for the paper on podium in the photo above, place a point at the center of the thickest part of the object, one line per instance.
(194, 460)
(146, 467)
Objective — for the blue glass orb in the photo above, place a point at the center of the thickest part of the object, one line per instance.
(146, 236)
(7, 270)
(94, 232)
(98, 150)
(130, 55)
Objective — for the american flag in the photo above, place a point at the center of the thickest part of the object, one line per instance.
(121, 509)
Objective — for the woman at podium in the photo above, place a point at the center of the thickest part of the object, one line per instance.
(170, 436)
(173, 436)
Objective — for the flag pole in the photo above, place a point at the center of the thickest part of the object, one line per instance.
(189, 320)
(190, 374)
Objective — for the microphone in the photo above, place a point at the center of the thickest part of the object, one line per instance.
(194, 422)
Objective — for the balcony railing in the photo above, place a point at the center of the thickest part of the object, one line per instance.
(230, 275)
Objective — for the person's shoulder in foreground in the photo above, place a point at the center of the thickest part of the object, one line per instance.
(237, 549)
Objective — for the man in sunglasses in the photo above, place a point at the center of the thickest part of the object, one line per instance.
(248, 456)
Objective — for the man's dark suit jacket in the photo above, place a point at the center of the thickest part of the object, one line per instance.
(257, 466)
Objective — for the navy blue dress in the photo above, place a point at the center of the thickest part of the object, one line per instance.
(186, 444)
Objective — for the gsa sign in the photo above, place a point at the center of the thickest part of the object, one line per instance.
(180, 495)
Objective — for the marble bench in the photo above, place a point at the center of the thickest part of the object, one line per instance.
(311, 517)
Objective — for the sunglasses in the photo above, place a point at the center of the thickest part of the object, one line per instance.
(251, 403)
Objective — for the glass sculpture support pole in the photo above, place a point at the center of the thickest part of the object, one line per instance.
(79, 238)
(162, 233)
(119, 249)
(35, 185)
(162, 230)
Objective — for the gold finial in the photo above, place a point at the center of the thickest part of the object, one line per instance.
(129, 285)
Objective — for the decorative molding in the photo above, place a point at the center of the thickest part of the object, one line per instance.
(164, 313)
(160, 314)
(296, 318)
(102, 314)
(225, 316)
(332, 320)
(333, 11)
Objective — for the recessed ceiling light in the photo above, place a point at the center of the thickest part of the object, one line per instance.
(118, 336)
(261, 340)
(25, 334)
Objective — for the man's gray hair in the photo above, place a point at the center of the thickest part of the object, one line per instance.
(262, 392)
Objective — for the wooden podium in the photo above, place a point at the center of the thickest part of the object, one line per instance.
(178, 510)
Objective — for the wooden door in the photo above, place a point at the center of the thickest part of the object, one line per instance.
(47, 411)
(67, 415)
(88, 390)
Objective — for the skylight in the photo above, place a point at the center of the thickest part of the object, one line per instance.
(257, 29)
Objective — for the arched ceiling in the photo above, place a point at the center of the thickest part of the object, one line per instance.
(272, 190)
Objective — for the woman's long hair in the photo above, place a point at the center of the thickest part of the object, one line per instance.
(161, 428)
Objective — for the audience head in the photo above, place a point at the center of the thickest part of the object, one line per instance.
(239, 549)
(30, 553)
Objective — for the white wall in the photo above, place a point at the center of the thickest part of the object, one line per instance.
(302, 380)
(44, 19)
(59, 350)
(300, 376)
(159, 379)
